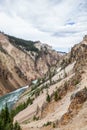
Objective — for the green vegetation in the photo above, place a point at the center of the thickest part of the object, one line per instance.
(21, 106)
(6, 120)
(50, 76)
(56, 97)
(54, 125)
(48, 123)
(35, 118)
(37, 92)
(76, 82)
(29, 101)
(65, 85)
(23, 44)
(3, 50)
(48, 98)
(64, 63)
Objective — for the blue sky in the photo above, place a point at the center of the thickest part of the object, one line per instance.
(59, 23)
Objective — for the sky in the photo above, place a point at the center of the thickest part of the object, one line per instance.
(59, 23)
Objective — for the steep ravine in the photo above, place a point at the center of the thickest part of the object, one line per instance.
(22, 61)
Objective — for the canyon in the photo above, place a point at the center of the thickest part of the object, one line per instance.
(56, 97)
(22, 61)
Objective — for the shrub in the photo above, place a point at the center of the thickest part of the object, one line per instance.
(54, 125)
(56, 97)
(21, 106)
(35, 118)
(48, 123)
(48, 98)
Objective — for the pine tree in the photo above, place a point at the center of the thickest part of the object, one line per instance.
(6, 120)
(16, 126)
(56, 96)
(48, 98)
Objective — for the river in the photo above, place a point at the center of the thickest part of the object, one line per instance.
(11, 98)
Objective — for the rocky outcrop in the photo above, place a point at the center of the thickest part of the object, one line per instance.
(77, 101)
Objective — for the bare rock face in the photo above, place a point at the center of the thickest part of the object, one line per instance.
(85, 38)
(76, 104)
(78, 53)
(23, 61)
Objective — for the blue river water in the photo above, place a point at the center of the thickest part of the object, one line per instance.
(11, 98)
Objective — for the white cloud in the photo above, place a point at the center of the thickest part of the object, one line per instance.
(58, 23)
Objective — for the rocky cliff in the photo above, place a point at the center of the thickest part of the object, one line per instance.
(22, 61)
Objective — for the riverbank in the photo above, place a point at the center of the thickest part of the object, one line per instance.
(11, 98)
